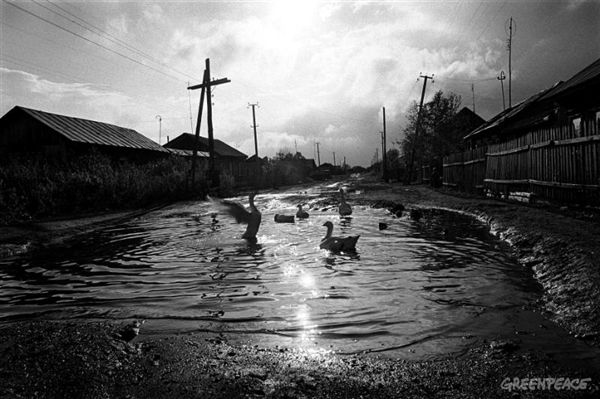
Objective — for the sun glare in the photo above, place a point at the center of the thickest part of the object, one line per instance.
(293, 15)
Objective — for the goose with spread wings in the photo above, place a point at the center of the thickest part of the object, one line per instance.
(337, 244)
(252, 218)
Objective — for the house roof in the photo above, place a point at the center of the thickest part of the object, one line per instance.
(586, 76)
(187, 153)
(252, 158)
(469, 117)
(537, 107)
(91, 132)
(185, 141)
(505, 115)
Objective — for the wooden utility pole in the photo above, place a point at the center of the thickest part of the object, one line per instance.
(159, 127)
(384, 155)
(473, 92)
(415, 142)
(254, 126)
(197, 135)
(211, 139)
(509, 46)
(501, 79)
(190, 102)
(318, 155)
(382, 150)
(206, 84)
(333, 158)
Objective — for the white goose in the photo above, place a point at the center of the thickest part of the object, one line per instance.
(344, 208)
(337, 244)
(241, 215)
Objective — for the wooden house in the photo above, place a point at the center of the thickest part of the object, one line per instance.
(227, 158)
(547, 146)
(29, 132)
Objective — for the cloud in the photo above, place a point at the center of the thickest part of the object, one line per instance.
(153, 14)
(575, 4)
(120, 24)
(83, 100)
(320, 70)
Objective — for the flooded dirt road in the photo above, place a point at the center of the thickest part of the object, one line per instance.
(417, 289)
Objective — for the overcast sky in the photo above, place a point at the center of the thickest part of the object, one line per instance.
(320, 70)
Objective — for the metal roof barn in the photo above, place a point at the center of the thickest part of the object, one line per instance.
(22, 127)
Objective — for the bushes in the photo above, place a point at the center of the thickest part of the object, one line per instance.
(39, 187)
(226, 184)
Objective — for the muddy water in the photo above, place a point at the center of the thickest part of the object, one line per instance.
(418, 287)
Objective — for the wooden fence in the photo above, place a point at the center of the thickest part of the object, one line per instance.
(465, 171)
(561, 164)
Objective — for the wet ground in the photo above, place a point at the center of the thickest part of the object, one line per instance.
(422, 292)
(423, 287)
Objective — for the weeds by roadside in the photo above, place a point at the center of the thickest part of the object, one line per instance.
(36, 187)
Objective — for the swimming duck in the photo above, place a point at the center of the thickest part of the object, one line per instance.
(241, 215)
(344, 208)
(337, 244)
(284, 218)
(301, 214)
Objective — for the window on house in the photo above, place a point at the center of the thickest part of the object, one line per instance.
(577, 124)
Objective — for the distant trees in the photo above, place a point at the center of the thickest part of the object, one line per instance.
(286, 155)
(395, 163)
(439, 133)
(284, 168)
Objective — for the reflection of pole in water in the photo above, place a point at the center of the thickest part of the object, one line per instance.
(214, 221)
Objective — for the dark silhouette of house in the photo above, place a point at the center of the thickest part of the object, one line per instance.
(28, 131)
(227, 158)
(261, 161)
(545, 147)
(466, 120)
(574, 101)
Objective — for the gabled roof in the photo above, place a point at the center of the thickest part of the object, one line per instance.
(90, 132)
(185, 141)
(536, 108)
(469, 117)
(252, 159)
(505, 115)
(586, 76)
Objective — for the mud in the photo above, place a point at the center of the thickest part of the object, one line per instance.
(91, 360)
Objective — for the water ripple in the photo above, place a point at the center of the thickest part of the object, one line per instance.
(179, 268)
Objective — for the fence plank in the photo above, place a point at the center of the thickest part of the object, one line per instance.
(558, 163)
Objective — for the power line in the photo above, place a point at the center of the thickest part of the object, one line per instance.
(467, 80)
(110, 37)
(17, 61)
(62, 44)
(488, 25)
(91, 41)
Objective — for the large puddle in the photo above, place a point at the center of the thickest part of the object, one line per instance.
(420, 287)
